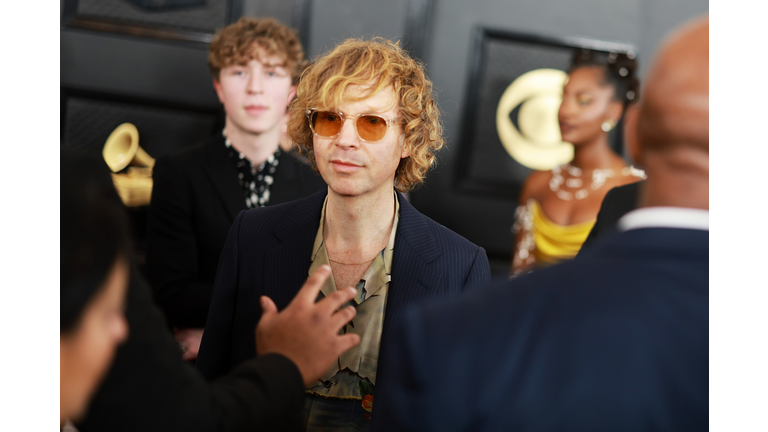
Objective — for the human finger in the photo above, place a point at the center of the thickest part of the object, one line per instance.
(347, 341)
(311, 288)
(268, 309)
(342, 317)
(336, 300)
(188, 355)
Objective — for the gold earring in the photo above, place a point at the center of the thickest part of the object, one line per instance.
(608, 125)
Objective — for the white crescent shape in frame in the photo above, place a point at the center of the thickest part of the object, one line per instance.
(538, 144)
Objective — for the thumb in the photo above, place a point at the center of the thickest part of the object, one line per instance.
(268, 308)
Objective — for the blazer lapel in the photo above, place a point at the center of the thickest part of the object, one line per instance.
(286, 262)
(223, 175)
(413, 276)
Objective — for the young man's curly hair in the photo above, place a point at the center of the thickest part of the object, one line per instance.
(376, 64)
(248, 38)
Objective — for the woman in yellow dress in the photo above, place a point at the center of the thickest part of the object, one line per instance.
(558, 208)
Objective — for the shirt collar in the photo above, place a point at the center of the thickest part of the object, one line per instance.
(377, 278)
(665, 217)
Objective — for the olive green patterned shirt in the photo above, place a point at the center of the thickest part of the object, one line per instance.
(354, 374)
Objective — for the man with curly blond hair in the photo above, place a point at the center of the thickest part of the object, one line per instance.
(255, 64)
(365, 116)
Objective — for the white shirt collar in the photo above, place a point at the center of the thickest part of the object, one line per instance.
(665, 217)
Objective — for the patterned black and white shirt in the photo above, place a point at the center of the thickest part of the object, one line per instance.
(255, 180)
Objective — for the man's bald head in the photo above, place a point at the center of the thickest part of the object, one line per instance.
(674, 109)
(670, 129)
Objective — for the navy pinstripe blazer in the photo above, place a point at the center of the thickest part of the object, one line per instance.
(268, 253)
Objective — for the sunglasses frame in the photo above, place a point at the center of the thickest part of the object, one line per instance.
(344, 117)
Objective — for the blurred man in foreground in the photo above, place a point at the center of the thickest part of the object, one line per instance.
(615, 340)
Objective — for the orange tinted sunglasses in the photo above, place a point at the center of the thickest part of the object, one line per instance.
(370, 128)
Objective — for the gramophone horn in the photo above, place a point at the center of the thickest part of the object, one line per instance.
(122, 148)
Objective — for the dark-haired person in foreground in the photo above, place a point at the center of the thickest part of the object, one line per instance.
(365, 115)
(616, 340)
(149, 387)
(95, 261)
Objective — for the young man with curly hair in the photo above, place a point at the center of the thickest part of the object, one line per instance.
(364, 115)
(198, 192)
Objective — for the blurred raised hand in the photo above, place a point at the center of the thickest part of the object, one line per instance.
(307, 332)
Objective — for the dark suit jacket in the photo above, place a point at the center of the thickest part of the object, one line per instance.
(150, 388)
(617, 202)
(195, 198)
(615, 340)
(268, 253)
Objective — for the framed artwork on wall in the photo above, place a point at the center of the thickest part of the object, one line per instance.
(179, 20)
(509, 127)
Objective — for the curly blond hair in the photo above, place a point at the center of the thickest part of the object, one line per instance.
(249, 38)
(373, 64)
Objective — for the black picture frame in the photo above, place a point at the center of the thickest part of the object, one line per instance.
(467, 183)
(72, 19)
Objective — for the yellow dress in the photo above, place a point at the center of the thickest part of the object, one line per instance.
(545, 242)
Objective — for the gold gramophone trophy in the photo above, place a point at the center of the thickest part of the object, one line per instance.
(122, 149)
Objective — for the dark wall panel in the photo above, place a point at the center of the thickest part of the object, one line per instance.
(281, 10)
(201, 15)
(89, 121)
(335, 20)
(138, 67)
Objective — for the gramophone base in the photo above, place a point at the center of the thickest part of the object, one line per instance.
(134, 191)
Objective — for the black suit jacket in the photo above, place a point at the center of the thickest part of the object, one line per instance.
(268, 252)
(617, 202)
(150, 388)
(195, 198)
(615, 340)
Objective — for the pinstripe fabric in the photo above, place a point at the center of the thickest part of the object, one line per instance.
(268, 252)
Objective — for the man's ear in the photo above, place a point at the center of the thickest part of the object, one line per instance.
(405, 152)
(217, 87)
(291, 94)
(631, 141)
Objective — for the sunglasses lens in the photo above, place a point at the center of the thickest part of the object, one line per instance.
(326, 123)
(371, 128)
